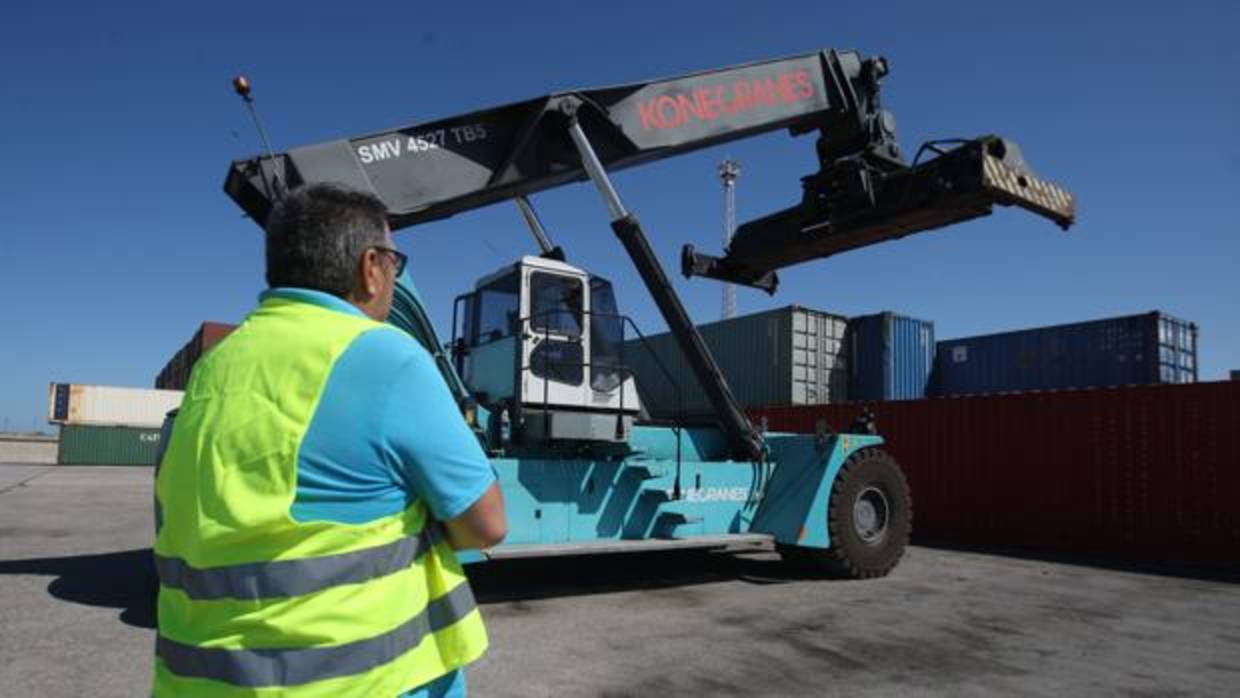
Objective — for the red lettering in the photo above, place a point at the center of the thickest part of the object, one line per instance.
(785, 88)
(686, 106)
(764, 92)
(650, 118)
(677, 117)
(710, 101)
(806, 88)
(742, 98)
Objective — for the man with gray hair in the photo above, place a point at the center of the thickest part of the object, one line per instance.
(316, 481)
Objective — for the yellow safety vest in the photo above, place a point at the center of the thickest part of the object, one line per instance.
(253, 603)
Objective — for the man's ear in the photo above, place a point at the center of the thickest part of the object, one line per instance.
(371, 283)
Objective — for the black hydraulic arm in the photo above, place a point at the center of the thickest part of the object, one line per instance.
(745, 441)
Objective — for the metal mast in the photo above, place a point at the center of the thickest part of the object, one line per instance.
(729, 170)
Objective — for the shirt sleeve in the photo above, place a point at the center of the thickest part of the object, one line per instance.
(438, 457)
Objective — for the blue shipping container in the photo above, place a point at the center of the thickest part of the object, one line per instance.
(1132, 350)
(892, 357)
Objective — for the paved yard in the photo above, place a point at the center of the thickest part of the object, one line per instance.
(76, 617)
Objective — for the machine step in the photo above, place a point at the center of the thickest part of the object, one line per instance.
(734, 540)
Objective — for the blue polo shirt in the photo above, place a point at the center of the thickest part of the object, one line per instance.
(386, 431)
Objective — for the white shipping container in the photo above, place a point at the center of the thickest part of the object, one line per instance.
(75, 403)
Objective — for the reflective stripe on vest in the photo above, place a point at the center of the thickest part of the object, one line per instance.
(286, 667)
(266, 580)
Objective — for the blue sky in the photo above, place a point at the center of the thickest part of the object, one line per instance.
(118, 125)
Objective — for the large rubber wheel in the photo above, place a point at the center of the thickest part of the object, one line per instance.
(869, 518)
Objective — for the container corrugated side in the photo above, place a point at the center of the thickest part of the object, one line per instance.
(1145, 473)
(789, 355)
(82, 444)
(74, 403)
(892, 357)
(1131, 350)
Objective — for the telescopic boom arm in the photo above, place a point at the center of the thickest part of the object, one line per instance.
(436, 169)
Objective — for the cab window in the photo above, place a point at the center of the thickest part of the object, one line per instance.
(556, 304)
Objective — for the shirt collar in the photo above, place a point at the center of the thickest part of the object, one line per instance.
(313, 297)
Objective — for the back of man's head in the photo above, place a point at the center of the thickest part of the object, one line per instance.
(316, 236)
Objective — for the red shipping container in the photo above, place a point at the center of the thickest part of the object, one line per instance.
(175, 373)
(1148, 474)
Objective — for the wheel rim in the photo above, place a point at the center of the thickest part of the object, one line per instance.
(870, 515)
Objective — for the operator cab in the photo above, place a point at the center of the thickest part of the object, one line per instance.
(541, 340)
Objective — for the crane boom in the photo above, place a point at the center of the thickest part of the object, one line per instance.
(432, 170)
(863, 192)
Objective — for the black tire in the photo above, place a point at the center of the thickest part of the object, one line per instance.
(869, 518)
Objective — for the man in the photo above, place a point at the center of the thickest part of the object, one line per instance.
(317, 478)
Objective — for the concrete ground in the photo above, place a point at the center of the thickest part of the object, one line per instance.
(76, 617)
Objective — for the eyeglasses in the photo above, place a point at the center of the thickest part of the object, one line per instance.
(400, 258)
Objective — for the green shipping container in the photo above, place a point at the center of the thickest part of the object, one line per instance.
(99, 445)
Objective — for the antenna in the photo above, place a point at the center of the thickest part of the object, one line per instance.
(729, 170)
(241, 85)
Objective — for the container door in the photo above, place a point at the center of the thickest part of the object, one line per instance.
(806, 389)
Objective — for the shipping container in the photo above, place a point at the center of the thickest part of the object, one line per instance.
(1142, 349)
(107, 445)
(175, 374)
(1146, 474)
(790, 356)
(892, 357)
(75, 403)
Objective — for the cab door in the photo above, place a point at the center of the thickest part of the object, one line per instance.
(555, 339)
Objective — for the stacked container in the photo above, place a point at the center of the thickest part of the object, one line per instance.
(892, 357)
(1134, 350)
(175, 374)
(82, 444)
(106, 405)
(108, 425)
(786, 356)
